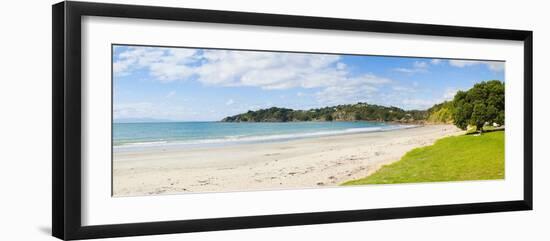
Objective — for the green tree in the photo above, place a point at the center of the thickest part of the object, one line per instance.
(484, 103)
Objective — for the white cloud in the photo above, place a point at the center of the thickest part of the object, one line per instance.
(418, 67)
(120, 67)
(165, 64)
(492, 65)
(170, 94)
(163, 111)
(401, 88)
(495, 66)
(341, 66)
(269, 70)
(405, 70)
(352, 90)
(449, 94)
(229, 102)
(420, 64)
(422, 103)
(435, 61)
(417, 103)
(133, 110)
(265, 70)
(462, 63)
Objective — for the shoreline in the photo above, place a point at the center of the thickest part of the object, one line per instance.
(247, 140)
(298, 163)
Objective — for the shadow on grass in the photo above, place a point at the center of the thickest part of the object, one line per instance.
(486, 131)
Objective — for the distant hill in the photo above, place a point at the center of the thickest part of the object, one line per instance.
(483, 104)
(353, 112)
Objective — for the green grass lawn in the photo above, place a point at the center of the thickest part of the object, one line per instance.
(458, 158)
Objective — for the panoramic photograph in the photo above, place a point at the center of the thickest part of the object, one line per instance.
(198, 120)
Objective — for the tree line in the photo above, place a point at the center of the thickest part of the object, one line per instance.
(353, 112)
(482, 104)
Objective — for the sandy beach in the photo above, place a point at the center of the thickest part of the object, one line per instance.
(305, 163)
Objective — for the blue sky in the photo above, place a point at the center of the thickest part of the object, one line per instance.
(192, 84)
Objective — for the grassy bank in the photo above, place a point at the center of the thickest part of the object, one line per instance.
(458, 158)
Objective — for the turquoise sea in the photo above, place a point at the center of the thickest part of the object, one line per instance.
(128, 135)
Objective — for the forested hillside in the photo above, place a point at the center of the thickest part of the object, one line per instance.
(480, 105)
(354, 112)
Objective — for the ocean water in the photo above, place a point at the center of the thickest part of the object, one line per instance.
(142, 135)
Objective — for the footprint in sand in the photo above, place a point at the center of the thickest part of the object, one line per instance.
(203, 182)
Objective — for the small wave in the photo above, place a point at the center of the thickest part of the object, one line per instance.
(141, 143)
(148, 143)
(242, 139)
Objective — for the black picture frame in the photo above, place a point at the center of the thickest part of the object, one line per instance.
(66, 157)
